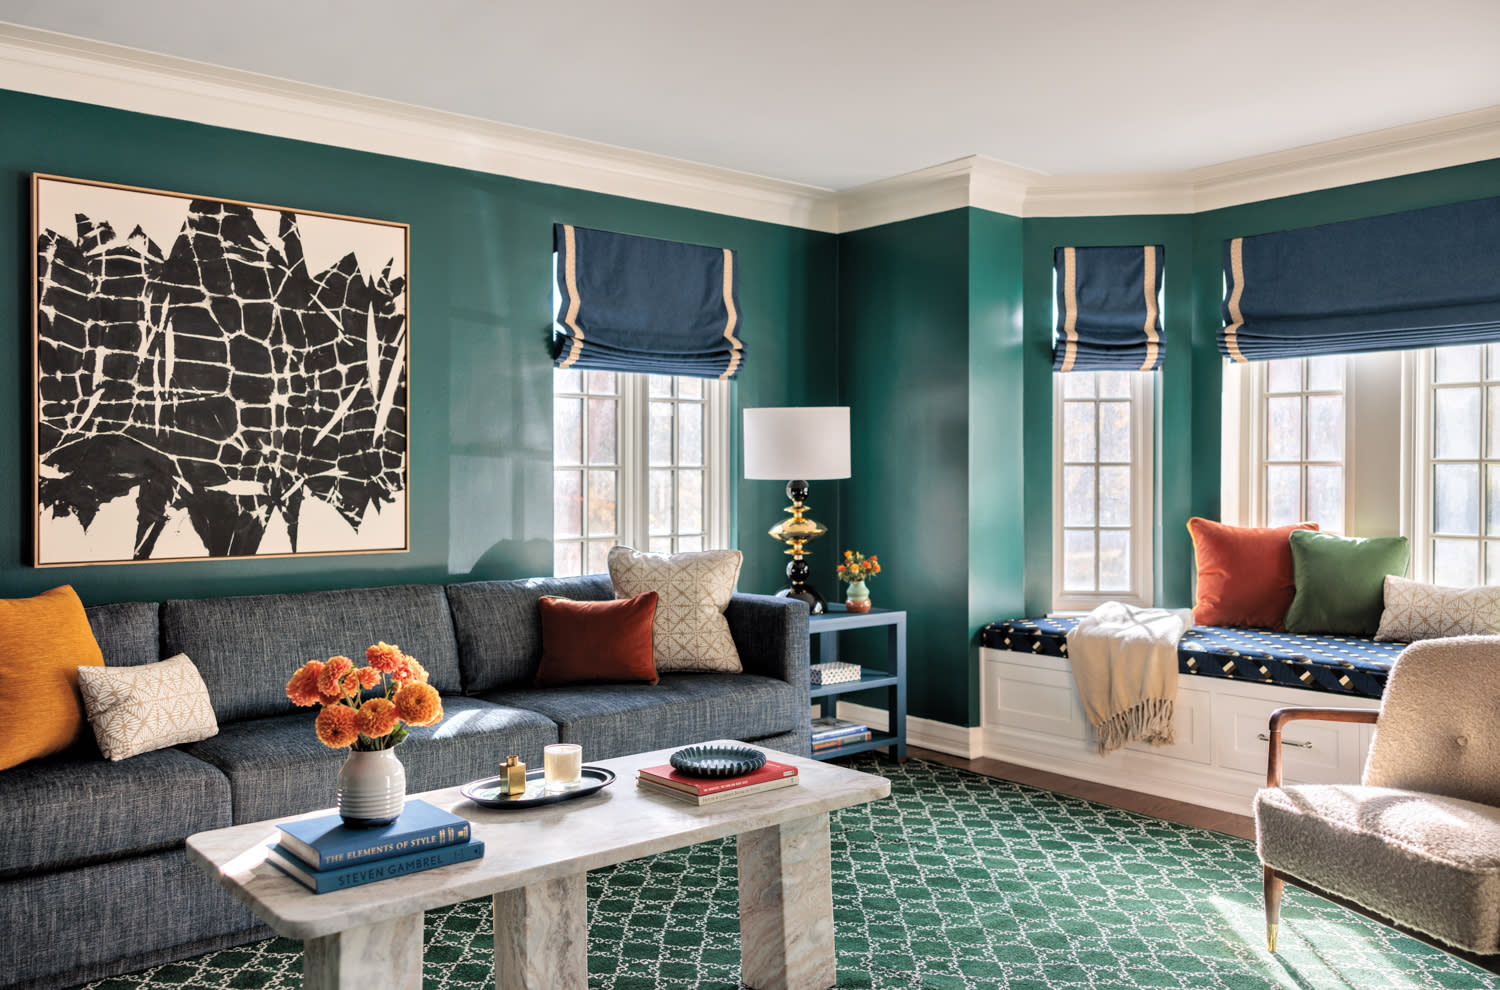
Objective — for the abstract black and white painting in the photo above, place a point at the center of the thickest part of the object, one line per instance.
(215, 379)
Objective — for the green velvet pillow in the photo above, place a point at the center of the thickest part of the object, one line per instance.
(1341, 581)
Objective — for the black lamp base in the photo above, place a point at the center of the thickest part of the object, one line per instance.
(798, 588)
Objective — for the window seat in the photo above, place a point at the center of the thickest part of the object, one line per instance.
(1347, 665)
(1031, 715)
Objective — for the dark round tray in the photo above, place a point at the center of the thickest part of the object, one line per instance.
(717, 760)
(486, 791)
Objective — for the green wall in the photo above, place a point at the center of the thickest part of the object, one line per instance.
(928, 352)
(481, 421)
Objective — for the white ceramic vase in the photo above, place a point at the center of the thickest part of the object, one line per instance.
(372, 788)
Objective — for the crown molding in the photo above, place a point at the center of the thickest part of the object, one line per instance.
(47, 63)
(65, 67)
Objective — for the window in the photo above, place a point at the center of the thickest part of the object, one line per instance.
(640, 460)
(1102, 484)
(1301, 468)
(1456, 505)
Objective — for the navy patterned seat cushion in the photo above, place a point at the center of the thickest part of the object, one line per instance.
(276, 766)
(1350, 665)
(682, 709)
(78, 807)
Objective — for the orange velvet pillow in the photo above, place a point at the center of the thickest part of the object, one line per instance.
(1244, 573)
(597, 641)
(47, 638)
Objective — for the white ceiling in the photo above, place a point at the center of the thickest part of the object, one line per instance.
(836, 93)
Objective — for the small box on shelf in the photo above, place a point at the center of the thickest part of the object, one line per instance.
(834, 672)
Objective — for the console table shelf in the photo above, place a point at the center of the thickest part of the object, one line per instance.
(891, 676)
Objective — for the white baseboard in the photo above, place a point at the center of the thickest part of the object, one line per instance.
(944, 737)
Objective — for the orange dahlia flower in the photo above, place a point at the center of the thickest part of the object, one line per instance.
(302, 689)
(384, 657)
(368, 677)
(375, 718)
(418, 704)
(410, 672)
(331, 678)
(336, 726)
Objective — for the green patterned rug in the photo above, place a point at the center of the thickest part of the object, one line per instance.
(957, 881)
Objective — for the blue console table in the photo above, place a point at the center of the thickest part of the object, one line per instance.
(824, 632)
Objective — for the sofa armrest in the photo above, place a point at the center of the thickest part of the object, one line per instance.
(770, 634)
(1281, 716)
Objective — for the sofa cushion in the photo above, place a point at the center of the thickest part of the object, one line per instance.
(70, 809)
(47, 638)
(499, 630)
(128, 633)
(1429, 862)
(276, 766)
(596, 641)
(150, 706)
(682, 709)
(694, 588)
(246, 648)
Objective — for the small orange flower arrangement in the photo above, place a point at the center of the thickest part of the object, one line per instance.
(348, 718)
(858, 567)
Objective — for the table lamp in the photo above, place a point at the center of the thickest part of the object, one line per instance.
(799, 443)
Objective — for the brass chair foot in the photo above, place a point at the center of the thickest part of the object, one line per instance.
(1271, 938)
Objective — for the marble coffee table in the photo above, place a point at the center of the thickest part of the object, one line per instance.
(534, 865)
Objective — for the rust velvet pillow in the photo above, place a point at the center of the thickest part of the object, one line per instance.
(1245, 575)
(597, 641)
(47, 638)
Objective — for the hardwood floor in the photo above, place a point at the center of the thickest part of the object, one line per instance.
(1118, 797)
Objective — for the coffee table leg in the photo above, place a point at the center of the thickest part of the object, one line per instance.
(387, 953)
(541, 936)
(786, 906)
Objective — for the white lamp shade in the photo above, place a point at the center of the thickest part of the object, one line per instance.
(797, 443)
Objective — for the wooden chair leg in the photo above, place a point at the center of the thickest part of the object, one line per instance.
(1273, 907)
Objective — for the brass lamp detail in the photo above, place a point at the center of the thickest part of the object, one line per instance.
(796, 533)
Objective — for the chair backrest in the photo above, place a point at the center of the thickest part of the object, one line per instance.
(1439, 728)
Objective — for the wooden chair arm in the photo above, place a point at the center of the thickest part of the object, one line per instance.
(1281, 716)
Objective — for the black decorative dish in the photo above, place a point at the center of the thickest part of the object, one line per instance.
(486, 791)
(717, 760)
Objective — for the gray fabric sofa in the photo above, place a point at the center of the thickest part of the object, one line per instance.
(93, 878)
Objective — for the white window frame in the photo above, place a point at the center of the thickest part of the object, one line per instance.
(1143, 501)
(1377, 431)
(1417, 465)
(632, 470)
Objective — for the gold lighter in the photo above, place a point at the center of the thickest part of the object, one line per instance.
(513, 777)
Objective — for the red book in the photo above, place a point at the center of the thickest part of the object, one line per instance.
(665, 776)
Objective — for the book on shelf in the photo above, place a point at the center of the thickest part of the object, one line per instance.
(656, 787)
(831, 728)
(325, 842)
(838, 742)
(666, 776)
(343, 877)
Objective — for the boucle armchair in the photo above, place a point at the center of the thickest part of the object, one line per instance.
(1415, 845)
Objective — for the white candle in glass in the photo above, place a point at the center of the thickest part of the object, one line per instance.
(562, 765)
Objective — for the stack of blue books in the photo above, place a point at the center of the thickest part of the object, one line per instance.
(323, 854)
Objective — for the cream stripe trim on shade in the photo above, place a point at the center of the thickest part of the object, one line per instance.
(1236, 319)
(733, 318)
(1153, 339)
(570, 273)
(1070, 308)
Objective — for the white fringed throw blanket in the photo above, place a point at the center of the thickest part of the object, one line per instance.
(1124, 662)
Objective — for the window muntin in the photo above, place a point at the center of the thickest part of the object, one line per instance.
(1458, 504)
(640, 460)
(1300, 473)
(1103, 490)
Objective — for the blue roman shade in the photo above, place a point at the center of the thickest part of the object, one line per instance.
(1421, 278)
(1108, 308)
(628, 303)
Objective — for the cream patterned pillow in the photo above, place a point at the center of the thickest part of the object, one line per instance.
(689, 632)
(137, 709)
(1414, 611)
